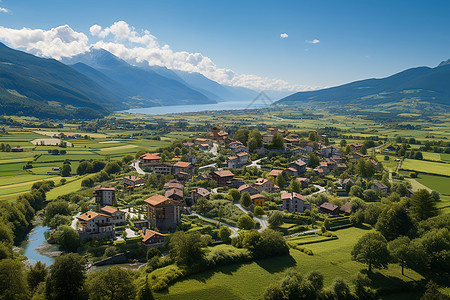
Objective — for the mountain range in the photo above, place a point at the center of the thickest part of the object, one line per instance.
(414, 87)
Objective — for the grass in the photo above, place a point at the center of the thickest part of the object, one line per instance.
(426, 167)
(438, 183)
(70, 187)
(249, 280)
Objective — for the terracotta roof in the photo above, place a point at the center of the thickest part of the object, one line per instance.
(133, 178)
(346, 208)
(173, 184)
(348, 180)
(171, 192)
(151, 156)
(201, 139)
(242, 154)
(257, 196)
(149, 234)
(275, 173)
(292, 169)
(182, 164)
(302, 179)
(299, 162)
(380, 185)
(103, 189)
(109, 209)
(204, 145)
(224, 173)
(329, 206)
(232, 157)
(156, 199)
(291, 195)
(90, 215)
(203, 192)
(243, 187)
(261, 181)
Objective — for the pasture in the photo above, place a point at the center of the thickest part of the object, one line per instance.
(249, 280)
(429, 167)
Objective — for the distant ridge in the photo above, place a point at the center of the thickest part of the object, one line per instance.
(419, 85)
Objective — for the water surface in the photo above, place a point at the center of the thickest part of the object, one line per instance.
(36, 239)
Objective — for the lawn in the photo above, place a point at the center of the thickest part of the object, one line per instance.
(438, 183)
(249, 280)
(426, 167)
(73, 185)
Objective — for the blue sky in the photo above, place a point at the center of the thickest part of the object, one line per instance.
(358, 39)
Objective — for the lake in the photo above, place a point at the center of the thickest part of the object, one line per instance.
(162, 110)
(36, 239)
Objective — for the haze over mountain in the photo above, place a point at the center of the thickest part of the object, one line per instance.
(144, 87)
(418, 85)
(40, 87)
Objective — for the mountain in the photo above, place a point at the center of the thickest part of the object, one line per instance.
(46, 88)
(145, 87)
(416, 86)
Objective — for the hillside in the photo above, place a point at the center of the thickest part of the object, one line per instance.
(412, 88)
(145, 87)
(46, 88)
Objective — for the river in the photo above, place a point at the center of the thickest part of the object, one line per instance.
(36, 239)
(161, 110)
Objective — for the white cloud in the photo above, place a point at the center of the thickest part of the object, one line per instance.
(313, 41)
(126, 42)
(4, 10)
(284, 35)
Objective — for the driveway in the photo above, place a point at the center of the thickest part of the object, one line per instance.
(130, 233)
(262, 220)
(74, 221)
(321, 189)
(214, 149)
(136, 166)
(255, 163)
(232, 228)
(208, 166)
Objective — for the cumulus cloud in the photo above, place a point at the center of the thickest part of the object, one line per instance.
(284, 35)
(135, 47)
(313, 41)
(4, 10)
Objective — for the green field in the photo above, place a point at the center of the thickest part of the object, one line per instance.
(248, 281)
(438, 183)
(426, 167)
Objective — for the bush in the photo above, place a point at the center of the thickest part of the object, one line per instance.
(259, 211)
(245, 222)
(110, 251)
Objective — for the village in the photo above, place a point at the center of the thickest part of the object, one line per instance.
(311, 167)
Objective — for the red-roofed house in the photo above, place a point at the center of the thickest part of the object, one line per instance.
(294, 202)
(264, 185)
(222, 177)
(152, 239)
(183, 166)
(258, 199)
(163, 213)
(328, 208)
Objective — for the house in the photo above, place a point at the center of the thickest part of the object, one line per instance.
(341, 192)
(247, 188)
(275, 173)
(267, 138)
(175, 194)
(292, 172)
(291, 141)
(218, 135)
(191, 158)
(233, 162)
(258, 199)
(200, 141)
(294, 202)
(183, 166)
(358, 155)
(328, 208)
(133, 181)
(326, 151)
(380, 187)
(182, 176)
(347, 181)
(94, 223)
(222, 177)
(235, 143)
(16, 149)
(152, 239)
(104, 196)
(117, 217)
(139, 224)
(355, 146)
(200, 192)
(162, 212)
(304, 182)
(264, 185)
(149, 159)
(239, 149)
(161, 169)
(243, 157)
(204, 147)
(346, 209)
(390, 148)
(299, 165)
(173, 184)
(188, 145)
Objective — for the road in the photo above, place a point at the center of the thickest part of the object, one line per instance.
(321, 189)
(130, 233)
(255, 163)
(232, 228)
(208, 166)
(74, 221)
(262, 220)
(302, 233)
(136, 166)
(214, 149)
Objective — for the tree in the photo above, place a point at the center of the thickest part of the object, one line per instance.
(343, 143)
(65, 170)
(259, 211)
(66, 278)
(313, 161)
(436, 196)
(110, 251)
(295, 186)
(276, 219)
(407, 254)
(186, 247)
(245, 222)
(114, 283)
(278, 141)
(36, 275)
(341, 289)
(242, 135)
(316, 278)
(234, 194)
(54, 208)
(224, 233)
(13, 284)
(255, 134)
(67, 237)
(281, 181)
(394, 222)
(363, 150)
(246, 200)
(252, 144)
(432, 292)
(371, 249)
(144, 292)
(312, 136)
(356, 191)
(153, 252)
(423, 205)
(112, 167)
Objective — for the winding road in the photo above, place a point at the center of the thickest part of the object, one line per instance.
(262, 220)
(232, 228)
(135, 165)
